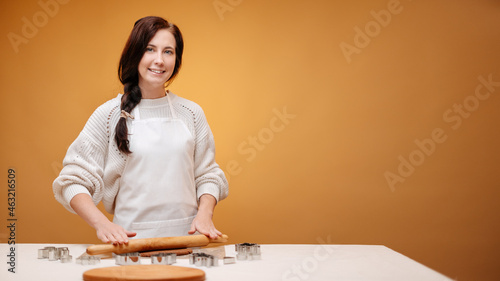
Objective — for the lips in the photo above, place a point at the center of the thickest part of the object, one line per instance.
(157, 71)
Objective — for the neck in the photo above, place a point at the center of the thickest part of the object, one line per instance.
(152, 93)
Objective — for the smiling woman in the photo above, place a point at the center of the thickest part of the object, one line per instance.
(157, 64)
(148, 154)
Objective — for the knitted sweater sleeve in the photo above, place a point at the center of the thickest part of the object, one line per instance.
(83, 165)
(209, 177)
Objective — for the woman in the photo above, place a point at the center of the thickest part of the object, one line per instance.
(148, 154)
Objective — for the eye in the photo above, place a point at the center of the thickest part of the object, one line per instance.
(170, 52)
(149, 49)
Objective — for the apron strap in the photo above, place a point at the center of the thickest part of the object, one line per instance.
(135, 113)
(174, 115)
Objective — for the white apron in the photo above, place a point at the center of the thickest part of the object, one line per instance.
(157, 195)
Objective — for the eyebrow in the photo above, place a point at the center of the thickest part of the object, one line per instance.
(168, 47)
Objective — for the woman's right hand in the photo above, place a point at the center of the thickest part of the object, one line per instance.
(107, 231)
(112, 233)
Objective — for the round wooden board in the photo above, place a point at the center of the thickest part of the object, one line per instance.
(144, 272)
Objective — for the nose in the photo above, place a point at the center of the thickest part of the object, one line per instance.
(159, 58)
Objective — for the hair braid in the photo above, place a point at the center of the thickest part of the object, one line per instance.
(130, 99)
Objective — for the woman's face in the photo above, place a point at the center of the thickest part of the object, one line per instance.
(158, 62)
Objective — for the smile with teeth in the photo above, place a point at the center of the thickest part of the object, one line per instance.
(156, 71)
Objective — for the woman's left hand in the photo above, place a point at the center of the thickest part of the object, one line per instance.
(204, 225)
(203, 220)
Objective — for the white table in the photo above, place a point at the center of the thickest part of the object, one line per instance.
(279, 262)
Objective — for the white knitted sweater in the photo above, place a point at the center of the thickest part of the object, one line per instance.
(93, 164)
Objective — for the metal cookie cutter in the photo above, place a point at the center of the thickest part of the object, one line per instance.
(128, 258)
(202, 259)
(164, 258)
(247, 251)
(88, 260)
(229, 260)
(54, 254)
(64, 255)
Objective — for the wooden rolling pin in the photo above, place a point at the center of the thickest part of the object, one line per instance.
(159, 243)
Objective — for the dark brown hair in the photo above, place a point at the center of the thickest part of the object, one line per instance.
(128, 73)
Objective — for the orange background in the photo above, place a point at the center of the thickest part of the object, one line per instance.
(319, 177)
